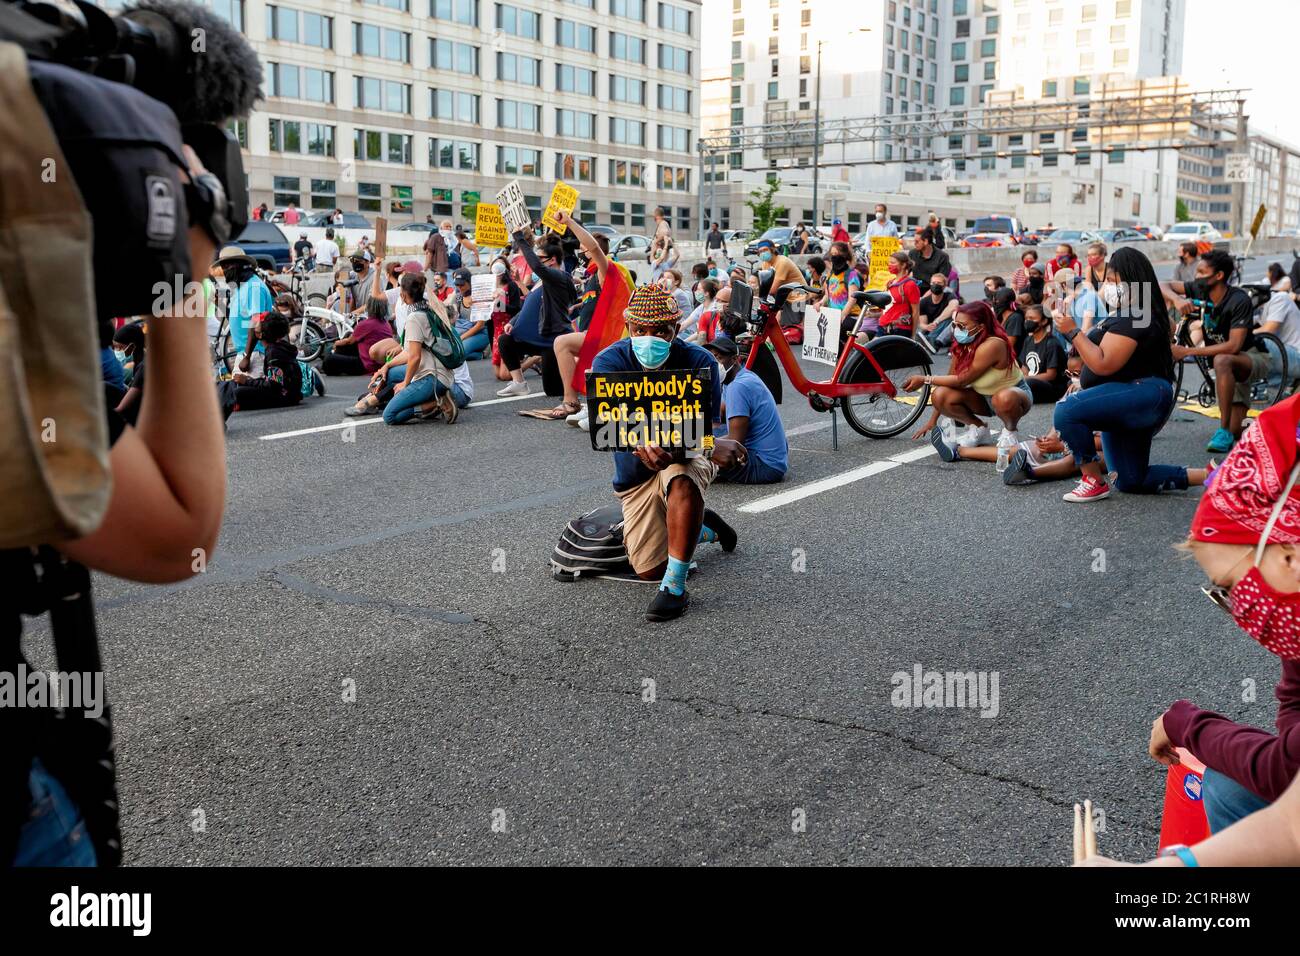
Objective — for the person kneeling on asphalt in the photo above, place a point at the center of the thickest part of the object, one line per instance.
(662, 492)
(752, 420)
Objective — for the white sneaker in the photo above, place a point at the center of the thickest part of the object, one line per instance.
(976, 436)
(580, 414)
(514, 388)
(584, 424)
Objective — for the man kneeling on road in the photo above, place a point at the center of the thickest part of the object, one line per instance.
(662, 492)
(752, 420)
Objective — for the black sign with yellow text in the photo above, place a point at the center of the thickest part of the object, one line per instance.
(664, 407)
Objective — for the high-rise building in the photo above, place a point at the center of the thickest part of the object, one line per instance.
(416, 107)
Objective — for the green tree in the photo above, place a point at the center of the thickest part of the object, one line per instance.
(1180, 211)
(763, 208)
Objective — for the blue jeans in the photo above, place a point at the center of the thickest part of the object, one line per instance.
(54, 834)
(476, 344)
(1227, 801)
(752, 472)
(1128, 415)
(406, 402)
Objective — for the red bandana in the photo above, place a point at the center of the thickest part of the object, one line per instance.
(1245, 487)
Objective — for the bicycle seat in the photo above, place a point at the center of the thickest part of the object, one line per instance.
(765, 283)
(873, 297)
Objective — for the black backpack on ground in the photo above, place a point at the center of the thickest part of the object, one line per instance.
(592, 546)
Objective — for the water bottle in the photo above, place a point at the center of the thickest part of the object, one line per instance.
(1005, 444)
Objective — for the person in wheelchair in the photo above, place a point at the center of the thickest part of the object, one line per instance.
(1228, 331)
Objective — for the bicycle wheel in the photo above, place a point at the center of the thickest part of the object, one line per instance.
(1273, 387)
(226, 353)
(316, 299)
(876, 415)
(1181, 337)
(311, 343)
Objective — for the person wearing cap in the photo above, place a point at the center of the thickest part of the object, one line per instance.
(360, 261)
(474, 335)
(662, 492)
(303, 252)
(249, 297)
(1245, 536)
(839, 233)
(751, 420)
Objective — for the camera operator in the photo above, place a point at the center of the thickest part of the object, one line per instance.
(152, 513)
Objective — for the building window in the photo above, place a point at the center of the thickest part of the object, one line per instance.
(675, 177)
(457, 11)
(624, 89)
(323, 194)
(457, 57)
(1049, 88)
(399, 199)
(517, 161)
(624, 47)
(638, 215)
(520, 23)
(674, 98)
(630, 9)
(627, 132)
(375, 94)
(370, 40)
(737, 116)
(286, 136)
(519, 69)
(511, 114)
(575, 36)
(575, 169)
(575, 124)
(1082, 86)
(957, 96)
(232, 11)
(441, 201)
(738, 71)
(448, 154)
(454, 105)
(674, 58)
(960, 72)
(772, 90)
(239, 128)
(623, 173)
(373, 146)
(320, 140)
(675, 138)
(292, 26)
(368, 197)
(286, 190)
(674, 18)
(989, 47)
(573, 79)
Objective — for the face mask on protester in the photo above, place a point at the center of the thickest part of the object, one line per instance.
(699, 297)
(650, 350)
(120, 355)
(1032, 326)
(937, 288)
(1028, 261)
(1110, 295)
(839, 263)
(498, 268)
(880, 217)
(964, 336)
(893, 268)
(765, 256)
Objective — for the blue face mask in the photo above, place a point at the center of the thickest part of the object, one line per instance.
(699, 297)
(963, 336)
(650, 350)
(765, 256)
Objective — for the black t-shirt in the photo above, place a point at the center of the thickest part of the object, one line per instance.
(930, 309)
(302, 248)
(714, 240)
(923, 269)
(1015, 326)
(1038, 357)
(1151, 359)
(1235, 311)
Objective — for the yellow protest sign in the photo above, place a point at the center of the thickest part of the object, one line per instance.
(564, 198)
(882, 247)
(489, 227)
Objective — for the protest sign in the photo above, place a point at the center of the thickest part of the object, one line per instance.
(482, 289)
(514, 210)
(882, 247)
(490, 228)
(564, 198)
(664, 407)
(381, 237)
(821, 335)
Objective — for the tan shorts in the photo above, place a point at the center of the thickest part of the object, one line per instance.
(645, 512)
(1260, 366)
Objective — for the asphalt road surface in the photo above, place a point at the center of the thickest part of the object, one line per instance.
(502, 717)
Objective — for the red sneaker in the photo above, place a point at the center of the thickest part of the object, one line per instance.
(1088, 489)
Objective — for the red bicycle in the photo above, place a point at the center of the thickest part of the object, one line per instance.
(868, 377)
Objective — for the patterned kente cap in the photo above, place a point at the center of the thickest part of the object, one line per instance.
(652, 305)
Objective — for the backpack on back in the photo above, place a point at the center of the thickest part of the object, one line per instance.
(446, 346)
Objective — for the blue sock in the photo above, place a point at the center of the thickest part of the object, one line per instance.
(675, 577)
(707, 535)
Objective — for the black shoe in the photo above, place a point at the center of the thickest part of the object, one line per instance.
(1017, 472)
(726, 533)
(666, 605)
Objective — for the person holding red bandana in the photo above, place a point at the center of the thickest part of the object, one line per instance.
(1246, 538)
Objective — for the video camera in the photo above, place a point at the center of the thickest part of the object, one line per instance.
(124, 94)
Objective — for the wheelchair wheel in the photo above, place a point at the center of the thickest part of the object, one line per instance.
(1273, 387)
(1181, 337)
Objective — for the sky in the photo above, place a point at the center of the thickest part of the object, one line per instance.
(1249, 44)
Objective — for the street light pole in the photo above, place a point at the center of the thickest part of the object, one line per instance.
(817, 141)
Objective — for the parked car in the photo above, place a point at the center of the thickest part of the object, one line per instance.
(1194, 231)
(1074, 237)
(351, 220)
(781, 237)
(600, 229)
(629, 248)
(1154, 233)
(1112, 236)
(735, 237)
(424, 227)
(266, 244)
(994, 231)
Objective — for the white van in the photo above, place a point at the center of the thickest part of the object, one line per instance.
(1192, 232)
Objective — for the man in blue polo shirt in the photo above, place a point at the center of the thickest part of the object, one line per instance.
(752, 420)
(662, 492)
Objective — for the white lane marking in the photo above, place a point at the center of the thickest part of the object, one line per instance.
(805, 429)
(835, 481)
(378, 419)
